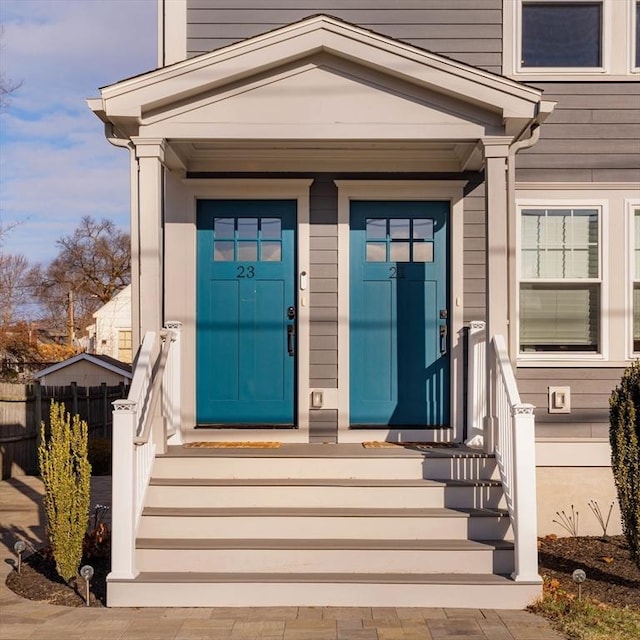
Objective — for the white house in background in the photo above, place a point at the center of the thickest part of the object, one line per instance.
(111, 334)
(403, 221)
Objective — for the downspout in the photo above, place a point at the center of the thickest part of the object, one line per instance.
(515, 147)
(134, 168)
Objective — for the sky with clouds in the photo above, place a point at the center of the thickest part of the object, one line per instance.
(55, 163)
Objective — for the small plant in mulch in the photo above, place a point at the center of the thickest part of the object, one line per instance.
(40, 580)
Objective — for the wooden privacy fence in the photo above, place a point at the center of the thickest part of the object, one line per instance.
(24, 406)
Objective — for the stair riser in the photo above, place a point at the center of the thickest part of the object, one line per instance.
(323, 496)
(335, 468)
(322, 561)
(220, 594)
(345, 527)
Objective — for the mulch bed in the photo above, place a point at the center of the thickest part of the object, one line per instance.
(612, 577)
(39, 580)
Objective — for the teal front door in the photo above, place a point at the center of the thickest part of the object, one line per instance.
(245, 324)
(398, 314)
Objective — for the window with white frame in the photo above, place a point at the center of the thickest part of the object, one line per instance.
(572, 39)
(560, 280)
(635, 21)
(636, 279)
(561, 34)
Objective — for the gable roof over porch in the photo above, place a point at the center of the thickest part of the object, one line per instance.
(324, 81)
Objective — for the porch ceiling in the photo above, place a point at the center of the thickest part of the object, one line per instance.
(294, 156)
(324, 83)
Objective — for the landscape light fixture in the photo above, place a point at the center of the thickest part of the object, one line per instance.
(579, 576)
(87, 573)
(19, 547)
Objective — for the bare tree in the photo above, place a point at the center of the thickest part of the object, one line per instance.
(93, 264)
(7, 86)
(13, 286)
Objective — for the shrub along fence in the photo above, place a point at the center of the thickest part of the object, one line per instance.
(24, 406)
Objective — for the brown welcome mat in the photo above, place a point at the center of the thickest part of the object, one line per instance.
(378, 444)
(232, 445)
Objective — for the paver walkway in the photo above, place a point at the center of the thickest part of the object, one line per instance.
(22, 517)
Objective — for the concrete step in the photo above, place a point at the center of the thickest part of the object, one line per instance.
(274, 493)
(191, 589)
(317, 523)
(325, 556)
(325, 461)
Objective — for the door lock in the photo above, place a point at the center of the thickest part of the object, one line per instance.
(291, 313)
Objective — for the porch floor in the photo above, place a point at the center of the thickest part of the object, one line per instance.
(341, 450)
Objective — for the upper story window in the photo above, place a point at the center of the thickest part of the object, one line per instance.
(571, 39)
(562, 34)
(560, 283)
(636, 35)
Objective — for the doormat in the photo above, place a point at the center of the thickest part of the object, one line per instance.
(379, 444)
(232, 445)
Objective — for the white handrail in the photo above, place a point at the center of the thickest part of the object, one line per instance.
(138, 433)
(514, 447)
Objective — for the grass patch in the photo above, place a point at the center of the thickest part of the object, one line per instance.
(586, 619)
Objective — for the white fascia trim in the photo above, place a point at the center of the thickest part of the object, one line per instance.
(265, 189)
(451, 190)
(573, 452)
(172, 31)
(130, 98)
(89, 358)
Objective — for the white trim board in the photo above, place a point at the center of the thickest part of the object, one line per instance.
(451, 191)
(570, 452)
(260, 189)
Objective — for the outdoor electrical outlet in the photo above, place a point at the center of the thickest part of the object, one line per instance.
(559, 399)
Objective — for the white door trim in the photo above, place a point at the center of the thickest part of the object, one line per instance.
(451, 191)
(265, 189)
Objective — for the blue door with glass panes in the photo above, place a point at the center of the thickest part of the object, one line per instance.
(399, 363)
(245, 324)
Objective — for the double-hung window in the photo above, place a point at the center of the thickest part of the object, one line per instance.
(571, 39)
(560, 280)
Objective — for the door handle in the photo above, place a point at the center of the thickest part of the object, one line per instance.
(443, 339)
(291, 339)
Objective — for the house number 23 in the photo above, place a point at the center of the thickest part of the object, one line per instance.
(246, 272)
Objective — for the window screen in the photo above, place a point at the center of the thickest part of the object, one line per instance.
(563, 34)
(560, 280)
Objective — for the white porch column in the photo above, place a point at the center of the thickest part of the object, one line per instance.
(496, 151)
(150, 156)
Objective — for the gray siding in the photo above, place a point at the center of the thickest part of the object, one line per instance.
(592, 136)
(474, 252)
(590, 391)
(323, 283)
(467, 30)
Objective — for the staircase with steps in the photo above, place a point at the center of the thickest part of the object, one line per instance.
(332, 525)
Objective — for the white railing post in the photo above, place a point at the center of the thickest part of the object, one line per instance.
(524, 494)
(172, 384)
(476, 383)
(123, 486)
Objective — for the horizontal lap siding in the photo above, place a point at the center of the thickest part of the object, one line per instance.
(474, 253)
(592, 136)
(467, 30)
(590, 391)
(323, 284)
